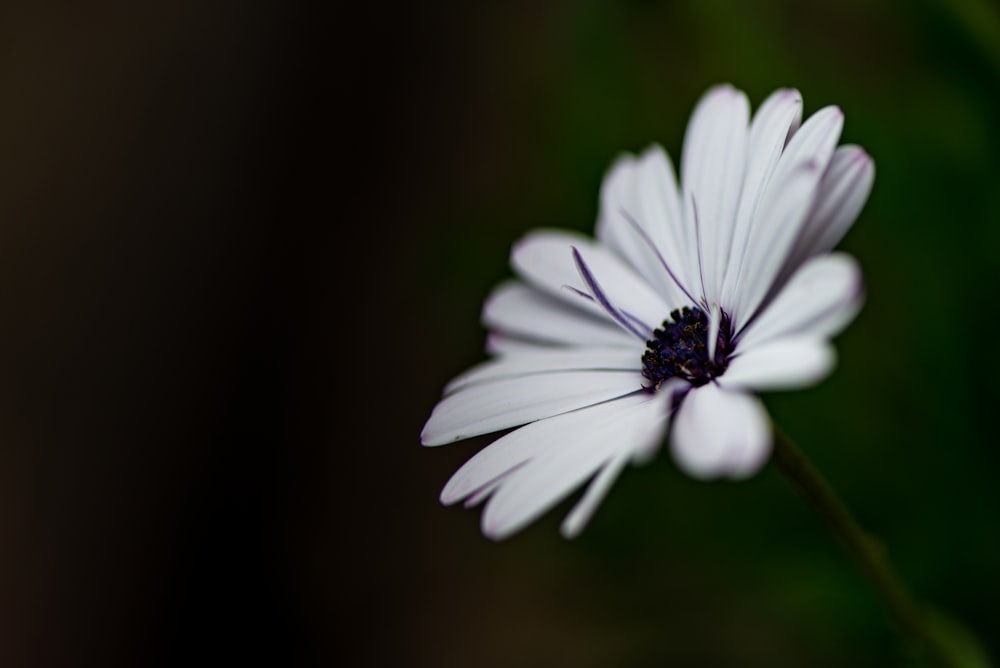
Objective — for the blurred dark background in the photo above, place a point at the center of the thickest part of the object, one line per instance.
(244, 245)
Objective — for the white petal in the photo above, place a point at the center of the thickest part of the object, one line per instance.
(712, 170)
(660, 205)
(486, 469)
(784, 206)
(781, 364)
(498, 343)
(841, 196)
(819, 300)
(482, 493)
(545, 258)
(516, 309)
(640, 454)
(579, 517)
(720, 433)
(500, 404)
(568, 453)
(561, 359)
(642, 192)
(671, 391)
(776, 119)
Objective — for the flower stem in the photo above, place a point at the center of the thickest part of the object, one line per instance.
(867, 551)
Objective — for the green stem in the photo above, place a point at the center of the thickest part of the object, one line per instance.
(869, 554)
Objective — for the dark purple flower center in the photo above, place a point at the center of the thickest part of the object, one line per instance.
(680, 349)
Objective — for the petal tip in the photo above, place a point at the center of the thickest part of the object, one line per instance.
(570, 530)
(790, 95)
(449, 495)
(493, 529)
(718, 433)
(431, 437)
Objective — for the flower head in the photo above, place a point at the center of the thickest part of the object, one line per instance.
(693, 298)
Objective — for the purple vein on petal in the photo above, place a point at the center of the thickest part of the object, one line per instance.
(637, 321)
(633, 318)
(579, 293)
(649, 242)
(602, 298)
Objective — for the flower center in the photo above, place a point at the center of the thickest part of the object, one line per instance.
(679, 349)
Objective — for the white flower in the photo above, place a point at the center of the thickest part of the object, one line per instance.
(690, 301)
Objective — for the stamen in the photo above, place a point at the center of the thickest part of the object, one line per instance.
(681, 348)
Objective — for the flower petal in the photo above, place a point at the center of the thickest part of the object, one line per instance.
(509, 402)
(498, 343)
(579, 517)
(720, 433)
(514, 308)
(819, 300)
(639, 454)
(560, 359)
(545, 258)
(772, 125)
(712, 168)
(780, 364)
(642, 192)
(553, 457)
(784, 206)
(499, 459)
(842, 194)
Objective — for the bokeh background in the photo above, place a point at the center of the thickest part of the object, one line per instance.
(243, 246)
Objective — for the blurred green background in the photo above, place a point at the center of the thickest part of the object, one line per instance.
(539, 98)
